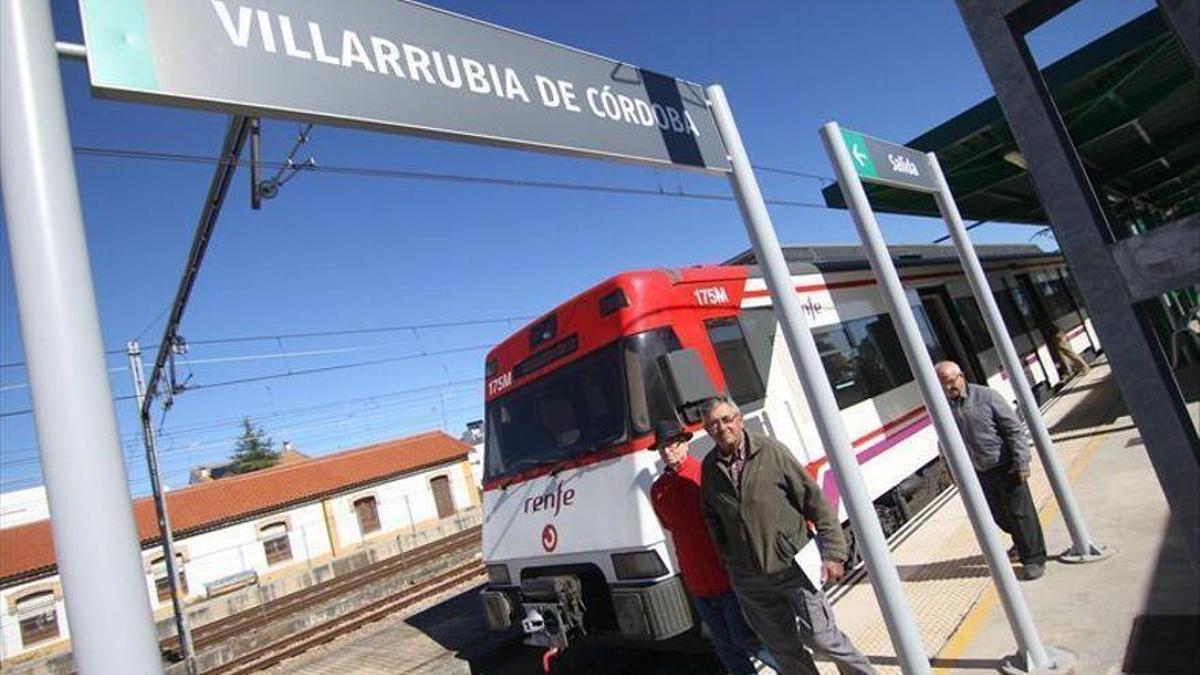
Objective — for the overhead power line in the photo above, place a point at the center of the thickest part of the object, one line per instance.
(199, 433)
(293, 373)
(120, 153)
(326, 333)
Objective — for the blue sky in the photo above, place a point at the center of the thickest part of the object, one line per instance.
(336, 253)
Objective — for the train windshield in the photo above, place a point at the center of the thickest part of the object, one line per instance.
(585, 406)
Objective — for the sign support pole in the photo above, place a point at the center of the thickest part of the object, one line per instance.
(160, 506)
(95, 538)
(1032, 655)
(886, 581)
(1083, 548)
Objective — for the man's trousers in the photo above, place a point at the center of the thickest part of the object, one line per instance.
(789, 614)
(1012, 507)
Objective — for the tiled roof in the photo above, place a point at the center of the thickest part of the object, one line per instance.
(28, 549)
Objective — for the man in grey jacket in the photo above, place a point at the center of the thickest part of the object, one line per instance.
(995, 440)
(756, 500)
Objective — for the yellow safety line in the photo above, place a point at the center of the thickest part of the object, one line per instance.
(973, 622)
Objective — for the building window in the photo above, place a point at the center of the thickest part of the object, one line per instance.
(162, 585)
(277, 545)
(741, 376)
(37, 618)
(367, 512)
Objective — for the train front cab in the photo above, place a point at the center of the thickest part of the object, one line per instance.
(604, 567)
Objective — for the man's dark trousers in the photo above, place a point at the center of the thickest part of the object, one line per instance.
(1012, 507)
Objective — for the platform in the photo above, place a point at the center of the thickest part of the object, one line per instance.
(1087, 609)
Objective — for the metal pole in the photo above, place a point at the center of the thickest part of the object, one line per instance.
(1031, 650)
(95, 539)
(896, 614)
(160, 506)
(1083, 549)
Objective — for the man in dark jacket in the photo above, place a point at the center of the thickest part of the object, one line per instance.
(757, 500)
(675, 496)
(995, 440)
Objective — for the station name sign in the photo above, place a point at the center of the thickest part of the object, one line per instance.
(878, 161)
(397, 66)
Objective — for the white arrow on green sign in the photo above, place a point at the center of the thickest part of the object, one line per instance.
(858, 150)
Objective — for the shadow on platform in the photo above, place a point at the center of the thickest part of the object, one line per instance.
(1165, 637)
(955, 568)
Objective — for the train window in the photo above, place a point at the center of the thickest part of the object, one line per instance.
(162, 586)
(1024, 304)
(578, 408)
(648, 397)
(863, 357)
(931, 343)
(741, 376)
(1009, 312)
(760, 327)
(37, 617)
(839, 358)
(1055, 297)
(1069, 282)
(969, 312)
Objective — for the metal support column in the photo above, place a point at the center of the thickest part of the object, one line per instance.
(150, 441)
(91, 518)
(901, 625)
(1032, 654)
(1147, 384)
(1083, 548)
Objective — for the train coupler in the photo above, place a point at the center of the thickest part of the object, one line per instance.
(554, 611)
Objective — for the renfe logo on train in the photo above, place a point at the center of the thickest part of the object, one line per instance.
(553, 501)
(549, 538)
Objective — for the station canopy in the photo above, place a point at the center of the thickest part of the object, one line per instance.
(1132, 106)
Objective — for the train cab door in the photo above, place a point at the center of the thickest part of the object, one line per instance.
(1042, 321)
(950, 332)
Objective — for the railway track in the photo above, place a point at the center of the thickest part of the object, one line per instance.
(303, 641)
(243, 622)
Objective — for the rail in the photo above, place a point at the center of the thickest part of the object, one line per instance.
(267, 613)
(303, 641)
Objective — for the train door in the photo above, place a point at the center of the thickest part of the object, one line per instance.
(950, 332)
(1042, 321)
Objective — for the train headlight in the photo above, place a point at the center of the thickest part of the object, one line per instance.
(638, 565)
(498, 575)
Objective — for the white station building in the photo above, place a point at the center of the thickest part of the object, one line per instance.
(249, 530)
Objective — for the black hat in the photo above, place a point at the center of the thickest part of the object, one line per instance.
(666, 431)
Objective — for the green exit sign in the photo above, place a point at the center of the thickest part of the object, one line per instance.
(877, 161)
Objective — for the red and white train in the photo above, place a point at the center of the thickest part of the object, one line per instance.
(571, 543)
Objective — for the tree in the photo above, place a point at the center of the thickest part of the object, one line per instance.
(254, 450)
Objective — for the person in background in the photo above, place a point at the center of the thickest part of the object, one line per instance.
(1075, 362)
(757, 501)
(995, 440)
(675, 496)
